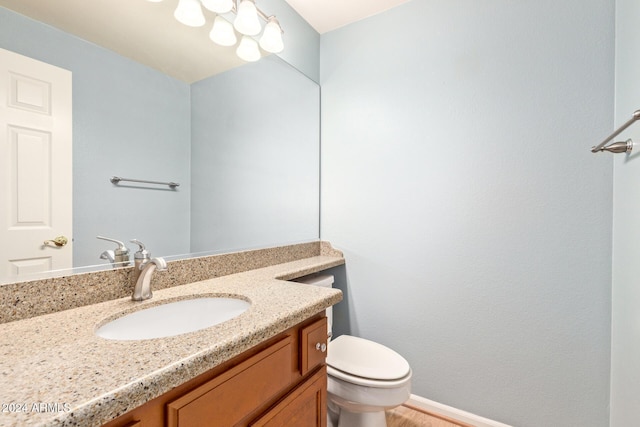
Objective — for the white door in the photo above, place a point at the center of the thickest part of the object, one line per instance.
(35, 166)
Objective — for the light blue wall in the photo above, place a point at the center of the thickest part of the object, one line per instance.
(458, 181)
(128, 120)
(255, 157)
(625, 340)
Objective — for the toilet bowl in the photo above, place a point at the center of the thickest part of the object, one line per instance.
(364, 378)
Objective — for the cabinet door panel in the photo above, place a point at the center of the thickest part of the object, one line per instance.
(303, 407)
(228, 398)
(313, 345)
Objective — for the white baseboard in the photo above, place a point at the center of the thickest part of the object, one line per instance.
(456, 414)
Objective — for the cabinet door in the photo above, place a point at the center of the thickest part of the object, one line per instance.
(228, 398)
(313, 345)
(303, 407)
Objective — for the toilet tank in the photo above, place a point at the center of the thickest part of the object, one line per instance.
(325, 281)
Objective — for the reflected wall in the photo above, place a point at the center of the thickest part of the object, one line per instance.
(255, 153)
(255, 157)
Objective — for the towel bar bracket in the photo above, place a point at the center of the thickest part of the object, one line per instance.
(616, 147)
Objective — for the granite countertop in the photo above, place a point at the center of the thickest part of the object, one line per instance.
(55, 371)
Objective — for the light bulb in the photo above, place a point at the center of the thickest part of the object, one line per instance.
(222, 32)
(247, 21)
(271, 39)
(189, 13)
(248, 49)
(218, 6)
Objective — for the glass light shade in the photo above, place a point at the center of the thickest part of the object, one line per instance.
(218, 6)
(248, 49)
(189, 13)
(271, 39)
(247, 21)
(222, 32)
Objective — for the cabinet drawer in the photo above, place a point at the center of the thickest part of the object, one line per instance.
(228, 398)
(313, 345)
(303, 407)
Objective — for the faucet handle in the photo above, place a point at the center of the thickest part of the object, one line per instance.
(142, 252)
(121, 245)
(139, 243)
(121, 254)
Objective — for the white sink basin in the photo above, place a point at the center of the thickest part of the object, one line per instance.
(173, 318)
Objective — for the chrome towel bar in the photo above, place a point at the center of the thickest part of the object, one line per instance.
(628, 145)
(117, 179)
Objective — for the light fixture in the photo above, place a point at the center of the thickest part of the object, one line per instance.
(246, 22)
(218, 6)
(222, 32)
(271, 39)
(189, 13)
(248, 49)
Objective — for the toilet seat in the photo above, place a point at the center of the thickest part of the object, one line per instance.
(367, 382)
(367, 363)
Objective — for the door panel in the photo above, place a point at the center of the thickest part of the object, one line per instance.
(29, 184)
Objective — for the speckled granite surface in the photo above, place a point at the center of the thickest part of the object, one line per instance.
(34, 298)
(55, 371)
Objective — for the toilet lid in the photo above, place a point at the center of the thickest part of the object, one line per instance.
(367, 359)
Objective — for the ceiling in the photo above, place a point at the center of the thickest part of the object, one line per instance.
(328, 15)
(144, 31)
(148, 33)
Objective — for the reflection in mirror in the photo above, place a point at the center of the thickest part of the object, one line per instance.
(243, 144)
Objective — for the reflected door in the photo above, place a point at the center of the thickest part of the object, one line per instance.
(35, 166)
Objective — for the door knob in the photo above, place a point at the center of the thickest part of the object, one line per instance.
(58, 241)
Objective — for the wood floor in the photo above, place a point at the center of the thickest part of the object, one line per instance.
(408, 416)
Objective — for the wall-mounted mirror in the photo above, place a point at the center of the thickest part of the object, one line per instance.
(243, 145)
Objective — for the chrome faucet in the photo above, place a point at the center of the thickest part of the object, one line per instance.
(142, 290)
(139, 258)
(143, 270)
(118, 257)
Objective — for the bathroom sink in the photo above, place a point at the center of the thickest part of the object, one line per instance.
(174, 318)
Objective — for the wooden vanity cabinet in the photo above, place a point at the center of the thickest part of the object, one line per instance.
(281, 382)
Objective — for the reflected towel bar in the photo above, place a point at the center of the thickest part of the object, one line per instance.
(117, 179)
(601, 146)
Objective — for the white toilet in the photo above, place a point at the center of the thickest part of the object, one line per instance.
(364, 378)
